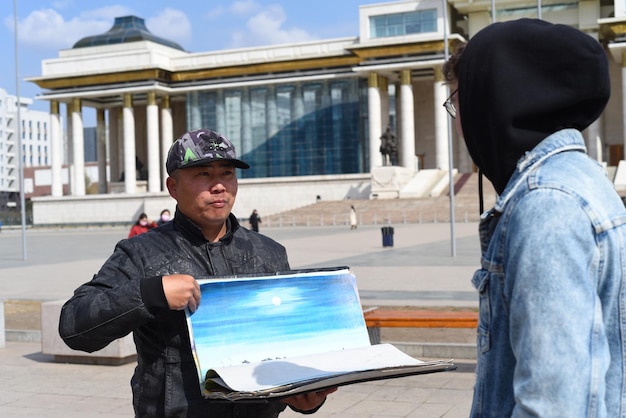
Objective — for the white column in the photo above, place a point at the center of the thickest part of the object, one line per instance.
(56, 156)
(130, 167)
(374, 120)
(78, 148)
(441, 121)
(101, 140)
(152, 130)
(69, 143)
(407, 121)
(167, 134)
(620, 8)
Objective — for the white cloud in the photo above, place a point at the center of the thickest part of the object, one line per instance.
(108, 14)
(47, 29)
(62, 4)
(267, 27)
(244, 7)
(215, 13)
(171, 24)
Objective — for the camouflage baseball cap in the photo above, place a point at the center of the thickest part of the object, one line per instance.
(201, 147)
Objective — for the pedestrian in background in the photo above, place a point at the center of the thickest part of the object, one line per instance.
(254, 220)
(552, 300)
(164, 217)
(353, 221)
(141, 226)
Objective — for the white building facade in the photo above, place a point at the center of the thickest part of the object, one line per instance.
(307, 111)
(35, 139)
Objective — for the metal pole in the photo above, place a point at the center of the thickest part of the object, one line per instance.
(538, 9)
(446, 54)
(493, 11)
(20, 152)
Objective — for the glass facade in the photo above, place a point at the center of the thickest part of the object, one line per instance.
(398, 24)
(299, 129)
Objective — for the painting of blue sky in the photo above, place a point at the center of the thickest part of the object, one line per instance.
(250, 320)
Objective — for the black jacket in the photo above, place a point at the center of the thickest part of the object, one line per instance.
(127, 296)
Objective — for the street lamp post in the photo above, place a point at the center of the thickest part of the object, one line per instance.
(20, 151)
(450, 153)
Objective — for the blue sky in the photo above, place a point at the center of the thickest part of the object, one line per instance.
(45, 27)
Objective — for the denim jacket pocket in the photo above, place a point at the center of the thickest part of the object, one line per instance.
(481, 283)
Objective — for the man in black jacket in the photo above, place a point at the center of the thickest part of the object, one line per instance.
(254, 220)
(146, 284)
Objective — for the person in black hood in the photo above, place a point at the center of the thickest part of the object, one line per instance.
(551, 286)
(533, 79)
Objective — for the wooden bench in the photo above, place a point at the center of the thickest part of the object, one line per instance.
(376, 318)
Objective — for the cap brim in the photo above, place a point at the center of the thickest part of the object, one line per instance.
(205, 161)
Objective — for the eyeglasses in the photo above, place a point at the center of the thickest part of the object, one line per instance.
(450, 106)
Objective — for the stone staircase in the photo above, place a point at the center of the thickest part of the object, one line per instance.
(393, 211)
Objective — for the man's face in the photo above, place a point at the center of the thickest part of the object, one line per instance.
(206, 194)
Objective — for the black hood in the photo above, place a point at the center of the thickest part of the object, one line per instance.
(521, 81)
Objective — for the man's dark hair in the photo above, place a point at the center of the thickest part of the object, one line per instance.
(449, 68)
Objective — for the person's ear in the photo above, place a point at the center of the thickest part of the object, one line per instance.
(171, 187)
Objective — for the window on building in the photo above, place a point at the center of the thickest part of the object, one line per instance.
(398, 24)
(304, 128)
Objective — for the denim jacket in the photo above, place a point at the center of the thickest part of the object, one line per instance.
(552, 327)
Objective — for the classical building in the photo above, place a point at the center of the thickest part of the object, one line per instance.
(304, 112)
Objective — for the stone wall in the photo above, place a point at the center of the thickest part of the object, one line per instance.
(268, 196)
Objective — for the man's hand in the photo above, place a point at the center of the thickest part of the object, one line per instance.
(181, 291)
(308, 401)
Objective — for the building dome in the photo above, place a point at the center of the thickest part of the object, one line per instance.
(125, 29)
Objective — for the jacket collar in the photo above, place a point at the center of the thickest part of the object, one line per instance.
(193, 231)
(563, 140)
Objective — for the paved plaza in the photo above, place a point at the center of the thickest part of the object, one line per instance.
(420, 270)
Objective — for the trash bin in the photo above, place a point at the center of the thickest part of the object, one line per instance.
(387, 232)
